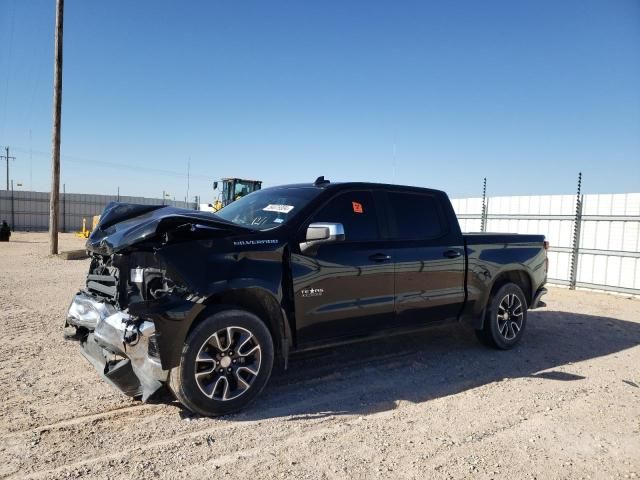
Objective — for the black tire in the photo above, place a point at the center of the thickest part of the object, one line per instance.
(201, 352)
(500, 324)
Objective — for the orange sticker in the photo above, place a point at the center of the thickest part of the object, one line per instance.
(357, 207)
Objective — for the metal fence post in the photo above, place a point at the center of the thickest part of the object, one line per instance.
(483, 219)
(575, 247)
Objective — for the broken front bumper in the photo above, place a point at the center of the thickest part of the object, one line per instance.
(123, 349)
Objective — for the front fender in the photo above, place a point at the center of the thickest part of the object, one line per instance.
(173, 317)
(211, 271)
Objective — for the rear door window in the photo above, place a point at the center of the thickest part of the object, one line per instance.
(356, 211)
(414, 216)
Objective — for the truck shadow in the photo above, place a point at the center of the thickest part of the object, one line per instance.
(373, 376)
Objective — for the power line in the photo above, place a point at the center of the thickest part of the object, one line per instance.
(86, 161)
(188, 171)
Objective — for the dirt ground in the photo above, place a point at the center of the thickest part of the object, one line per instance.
(564, 404)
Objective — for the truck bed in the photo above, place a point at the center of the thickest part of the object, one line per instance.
(483, 238)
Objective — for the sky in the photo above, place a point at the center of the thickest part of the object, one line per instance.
(169, 96)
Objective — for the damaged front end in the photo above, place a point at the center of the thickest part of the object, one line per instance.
(123, 349)
(135, 310)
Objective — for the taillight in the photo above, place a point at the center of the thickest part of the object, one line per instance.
(545, 244)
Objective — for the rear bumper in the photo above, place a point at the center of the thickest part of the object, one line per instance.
(122, 348)
(537, 299)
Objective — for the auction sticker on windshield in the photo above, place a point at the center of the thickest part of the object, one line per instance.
(278, 208)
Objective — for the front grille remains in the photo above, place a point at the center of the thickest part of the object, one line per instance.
(105, 285)
(102, 279)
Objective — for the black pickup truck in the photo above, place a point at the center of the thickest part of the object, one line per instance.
(207, 303)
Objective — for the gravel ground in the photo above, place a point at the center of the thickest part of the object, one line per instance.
(564, 404)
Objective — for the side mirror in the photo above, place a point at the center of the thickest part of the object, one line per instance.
(215, 185)
(319, 233)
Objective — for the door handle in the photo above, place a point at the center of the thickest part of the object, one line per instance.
(379, 257)
(452, 253)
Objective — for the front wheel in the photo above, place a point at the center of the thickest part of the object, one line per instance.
(506, 318)
(225, 363)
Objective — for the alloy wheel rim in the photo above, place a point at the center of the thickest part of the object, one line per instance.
(228, 363)
(510, 316)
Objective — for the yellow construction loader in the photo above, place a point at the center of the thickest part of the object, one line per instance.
(233, 189)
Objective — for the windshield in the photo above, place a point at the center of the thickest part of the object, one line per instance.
(268, 208)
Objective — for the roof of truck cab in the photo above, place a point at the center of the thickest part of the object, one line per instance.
(364, 185)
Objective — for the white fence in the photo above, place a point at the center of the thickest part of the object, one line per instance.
(605, 252)
(29, 211)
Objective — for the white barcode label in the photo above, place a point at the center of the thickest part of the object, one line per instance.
(278, 208)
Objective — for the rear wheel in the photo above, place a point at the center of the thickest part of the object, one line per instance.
(226, 362)
(506, 318)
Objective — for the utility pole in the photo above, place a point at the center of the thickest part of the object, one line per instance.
(55, 143)
(7, 157)
(64, 207)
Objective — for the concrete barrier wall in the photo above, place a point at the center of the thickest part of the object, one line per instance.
(29, 211)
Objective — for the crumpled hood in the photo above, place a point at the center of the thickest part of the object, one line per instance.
(125, 224)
